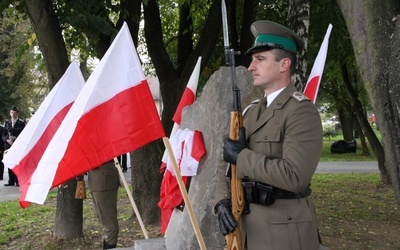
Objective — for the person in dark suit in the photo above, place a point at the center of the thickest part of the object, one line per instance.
(13, 128)
(103, 183)
(123, 162)
(277, 152)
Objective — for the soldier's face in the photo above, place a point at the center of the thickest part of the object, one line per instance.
(264, 68)
(13, 114)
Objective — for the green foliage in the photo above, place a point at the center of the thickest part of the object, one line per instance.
(17, 67)
(330, 132)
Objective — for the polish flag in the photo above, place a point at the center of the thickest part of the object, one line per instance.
(188, 148)
(187, 99)
(312, 86)
(113, 114)
(30, 145)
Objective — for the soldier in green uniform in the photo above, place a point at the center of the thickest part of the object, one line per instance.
(104, 183)
(277, 152)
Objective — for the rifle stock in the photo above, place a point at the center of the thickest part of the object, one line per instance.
(234, 239)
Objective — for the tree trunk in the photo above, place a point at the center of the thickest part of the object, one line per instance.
(299, 19)
(172, 84)
(51, 43)
(364, 124)
(146, 179)
(375, 33)
(69, 215)
(346, 123)
(246, 37)
(361, 135)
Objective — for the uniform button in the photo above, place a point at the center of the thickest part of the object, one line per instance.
(289, 217)
(266, 137)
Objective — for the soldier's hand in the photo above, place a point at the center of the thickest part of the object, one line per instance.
(232, 148)
(226, 221)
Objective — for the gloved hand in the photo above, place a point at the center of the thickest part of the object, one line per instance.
(226, 221)
(232, 148)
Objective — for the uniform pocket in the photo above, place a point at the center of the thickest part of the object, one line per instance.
(295, 211)
(268, 142)
(294, 219)
(272, 135)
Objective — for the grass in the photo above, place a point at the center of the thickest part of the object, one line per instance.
(327, 156)
(354, 212)
(32, 228)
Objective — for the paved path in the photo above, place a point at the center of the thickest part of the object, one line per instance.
(348, 167)
(12, 193)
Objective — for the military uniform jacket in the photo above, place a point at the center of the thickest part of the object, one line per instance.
(104, 178)
(284, 147)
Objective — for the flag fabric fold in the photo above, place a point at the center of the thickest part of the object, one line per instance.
(314, 80)
(188, 148)
(113, 114)
(26, 151)
(187, 99)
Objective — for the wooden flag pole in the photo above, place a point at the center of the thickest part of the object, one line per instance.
(128, 191)
(184, 194)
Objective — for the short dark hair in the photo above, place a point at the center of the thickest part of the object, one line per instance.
(14, 108)
(280, 54)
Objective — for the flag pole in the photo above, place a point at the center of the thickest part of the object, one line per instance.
(128, 191)
(184, 193)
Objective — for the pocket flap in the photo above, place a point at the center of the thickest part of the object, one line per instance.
(291, 214)
(272, 135)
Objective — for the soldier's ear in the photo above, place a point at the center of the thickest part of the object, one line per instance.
(285, 64)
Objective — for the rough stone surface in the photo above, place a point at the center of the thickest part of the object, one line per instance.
(153, 244)
(210, 115)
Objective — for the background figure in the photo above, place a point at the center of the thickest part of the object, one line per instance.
(103, 183)
(13, 128)
(123, 161)
(1, 153)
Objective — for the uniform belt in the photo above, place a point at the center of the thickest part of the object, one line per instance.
(260, 193)
(284, 194)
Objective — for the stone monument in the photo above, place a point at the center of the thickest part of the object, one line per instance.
(210, 114)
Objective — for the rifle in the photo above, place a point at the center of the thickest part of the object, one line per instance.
(233, 239)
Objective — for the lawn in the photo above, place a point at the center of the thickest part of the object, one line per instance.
(355, 211)
(327, 156)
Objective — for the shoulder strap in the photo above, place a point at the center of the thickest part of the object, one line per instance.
(249, 106)
(300, 97)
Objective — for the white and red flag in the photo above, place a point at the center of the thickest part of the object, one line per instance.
(188, 148)
(114, 114)
(312, 86)
(187, 99)
(30, 145)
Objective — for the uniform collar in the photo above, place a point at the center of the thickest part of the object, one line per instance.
(271, 97)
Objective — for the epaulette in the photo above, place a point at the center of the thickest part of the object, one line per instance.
(300, 97)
